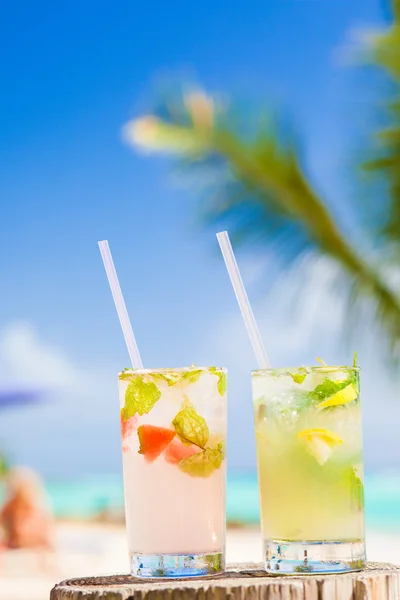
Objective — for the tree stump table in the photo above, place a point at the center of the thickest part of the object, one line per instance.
(240, 582)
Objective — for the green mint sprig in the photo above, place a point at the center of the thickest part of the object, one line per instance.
(126, 374)
(173, 378)
(192, 429)
(170, 378)
(204, 463)
(191, 376)
(327, 389)
(300, 376)
(330, 387)
(222, 380)
(140, 397)
(214, 561)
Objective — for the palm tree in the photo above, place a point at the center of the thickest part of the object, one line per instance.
(259, 184)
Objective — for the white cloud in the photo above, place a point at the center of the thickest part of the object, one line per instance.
(25, 358)
(64, 433)
(76, 394)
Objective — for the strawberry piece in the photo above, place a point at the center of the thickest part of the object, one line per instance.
(177, 451)
(153, 440)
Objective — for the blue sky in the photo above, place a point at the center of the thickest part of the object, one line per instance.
(72, 75)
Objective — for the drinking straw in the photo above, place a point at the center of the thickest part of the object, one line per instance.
(241, 296)
(120, 305)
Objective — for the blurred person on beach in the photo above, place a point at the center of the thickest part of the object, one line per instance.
(26, 520)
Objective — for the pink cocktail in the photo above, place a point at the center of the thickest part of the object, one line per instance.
(173, 426)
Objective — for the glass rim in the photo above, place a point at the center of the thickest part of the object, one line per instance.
(303, 369)
(172, 370)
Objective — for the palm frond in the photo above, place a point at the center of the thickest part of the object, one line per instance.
(260, 188)
(383, 53)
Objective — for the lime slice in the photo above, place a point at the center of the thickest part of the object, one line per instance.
(319, 443)
(347, 394)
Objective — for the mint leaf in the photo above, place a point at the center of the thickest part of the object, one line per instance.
(356, 487)
(327, 389)
(140, 397)
(358, 494)
(169, 378)
(126, 374)
(191, 427)
(204, 463)
(173, 378)
(299, 377)
(222, 384)
(222, 380)
(355, 381)
(214, 562)
(191, 376)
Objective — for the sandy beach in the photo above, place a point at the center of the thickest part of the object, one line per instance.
(98, 549)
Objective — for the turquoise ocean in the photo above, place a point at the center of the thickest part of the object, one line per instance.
(91, 496)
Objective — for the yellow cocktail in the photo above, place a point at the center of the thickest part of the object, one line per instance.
(310, 468)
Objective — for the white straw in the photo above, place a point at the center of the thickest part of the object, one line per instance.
(120, 305)
(241, 296)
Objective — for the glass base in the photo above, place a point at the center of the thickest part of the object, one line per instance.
(282, 556)
(176, 565)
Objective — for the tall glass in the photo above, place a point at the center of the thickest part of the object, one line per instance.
(310, 468)
(173, 426)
